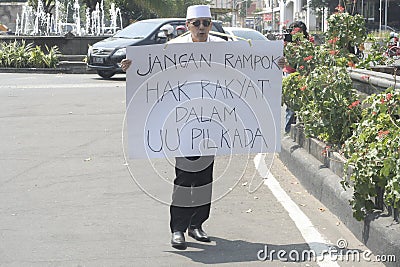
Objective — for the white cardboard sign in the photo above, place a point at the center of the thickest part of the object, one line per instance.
(214, 98)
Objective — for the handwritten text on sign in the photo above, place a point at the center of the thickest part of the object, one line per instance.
(204, 99)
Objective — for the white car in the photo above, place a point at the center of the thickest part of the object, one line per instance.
(245, 33)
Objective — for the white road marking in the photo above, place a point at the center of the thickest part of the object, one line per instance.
(314, 239)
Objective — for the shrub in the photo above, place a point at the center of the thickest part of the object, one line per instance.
(321, 92)
(326, 88)
(293, 95)
(21, 55)
(373, 153)
(331, 108)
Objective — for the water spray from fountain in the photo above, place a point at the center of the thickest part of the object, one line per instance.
(38, 22)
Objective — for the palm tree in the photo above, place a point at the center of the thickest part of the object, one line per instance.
(160, 8)
(48, 5)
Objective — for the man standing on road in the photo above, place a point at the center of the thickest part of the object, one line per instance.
(191, 198)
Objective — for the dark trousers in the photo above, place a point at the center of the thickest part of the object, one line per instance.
(191, 197)
(290, 118)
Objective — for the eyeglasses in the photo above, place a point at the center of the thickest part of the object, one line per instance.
(197, 23)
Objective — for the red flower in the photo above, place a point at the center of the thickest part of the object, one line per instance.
(295, 30)
(334, 40)
(388, 96)
(301, 67)
(308, 58)
(354, 104)
(382, 100)
(303, 88)
(382, 133)
(325, 151)
(351, 64)
(311, 39)
(333, 52)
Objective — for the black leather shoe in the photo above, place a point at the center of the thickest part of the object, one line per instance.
(198, 234)
(178, 240)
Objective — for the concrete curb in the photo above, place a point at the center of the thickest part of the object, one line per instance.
(70, 69)
(379, 233)
(374, 78)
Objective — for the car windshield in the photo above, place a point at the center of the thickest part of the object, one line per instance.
(252, 35)
(138, 30)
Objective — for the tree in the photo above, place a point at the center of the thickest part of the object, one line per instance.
(318, 5)
(91, 4)
(243, 8)
(181, 6)
(142, 9)
(48, 5)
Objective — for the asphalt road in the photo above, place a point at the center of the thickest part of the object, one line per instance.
(70, 198)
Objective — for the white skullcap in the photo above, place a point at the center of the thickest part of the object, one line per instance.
(198, 11)
(167, 27)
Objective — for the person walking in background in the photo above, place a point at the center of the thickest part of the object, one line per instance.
(180, 30)
(290, 116)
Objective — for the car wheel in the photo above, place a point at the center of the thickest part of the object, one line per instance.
(106, 74)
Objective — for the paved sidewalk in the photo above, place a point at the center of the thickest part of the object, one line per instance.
(380, 233)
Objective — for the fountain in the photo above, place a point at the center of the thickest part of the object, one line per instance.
(40, 23)
(64, 27)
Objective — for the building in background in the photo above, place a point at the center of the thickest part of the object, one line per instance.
(273, 15)
(380, 13)
(280, 13)
(263, 15)
(240, 13)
